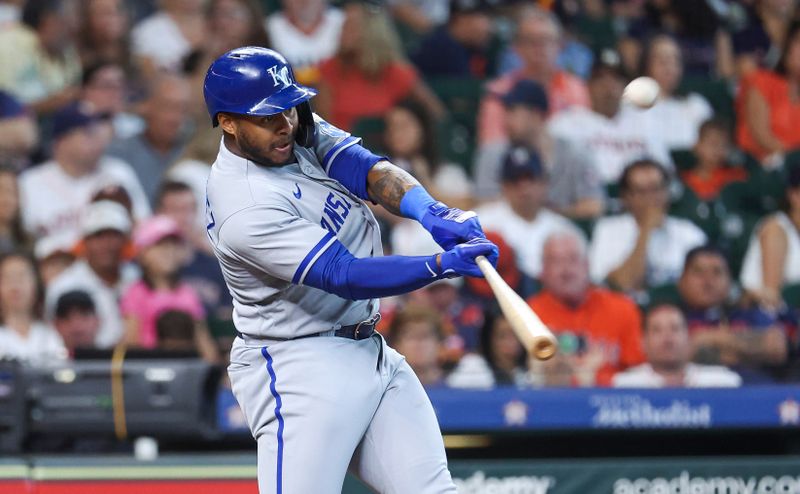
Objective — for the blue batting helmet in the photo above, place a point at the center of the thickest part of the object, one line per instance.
(256, 81)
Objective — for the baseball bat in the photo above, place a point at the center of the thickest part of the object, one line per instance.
(531, 331)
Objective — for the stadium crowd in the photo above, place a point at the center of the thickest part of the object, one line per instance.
(662, 246)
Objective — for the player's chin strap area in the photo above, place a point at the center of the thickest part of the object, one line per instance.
(359, 331)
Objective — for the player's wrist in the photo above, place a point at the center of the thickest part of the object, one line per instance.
(416, 203)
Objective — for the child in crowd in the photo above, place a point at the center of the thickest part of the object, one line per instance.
(711, 172)
(161, 255)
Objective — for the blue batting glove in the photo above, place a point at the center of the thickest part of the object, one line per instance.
(451, 226)
(461, 259)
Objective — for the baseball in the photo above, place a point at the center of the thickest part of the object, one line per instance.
(642, 92)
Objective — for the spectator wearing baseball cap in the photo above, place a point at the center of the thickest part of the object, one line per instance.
(102, 271)
(575, 188)
(161, 254)
(460, 47)
(615, 134)
(520, 216)
(55, 194)
(772, 261)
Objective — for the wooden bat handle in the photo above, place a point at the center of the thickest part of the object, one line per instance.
(531, 331)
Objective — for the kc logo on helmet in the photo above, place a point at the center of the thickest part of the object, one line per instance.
(280, 75)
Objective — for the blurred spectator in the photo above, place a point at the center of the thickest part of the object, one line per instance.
(722, 332)
(615, 134)
(40, 63)
(459, 48)
(520, 217)
(201, 270)
(103, 36)
(410, 142)
(13, 237)
(177, 331)
(160, 253)
(52, 259)
(643, 247)
(421, 16)
(666, 343)
(772, 260)
(536, 41)
(54, 195)
(674, 119)
(462, 317)
(306, 32)
(416, 333)
(76, 320)
(164, 39)
(711, 171)
(368, 74)
(102, 272)
(575, 187)
(502, 361)
(104, 90)
(758, 43)
(768, 113)
(695, 24)
(232, 23)
(599, 331)
(18, 132)
(194, 166)
(166, 117)
(23, 334)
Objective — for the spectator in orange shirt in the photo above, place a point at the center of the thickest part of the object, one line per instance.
(769, 105)
(711, 172)
(368, 75)
(536, 41)
(599, 331)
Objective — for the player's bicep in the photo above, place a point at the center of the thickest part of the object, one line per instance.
(276, 242)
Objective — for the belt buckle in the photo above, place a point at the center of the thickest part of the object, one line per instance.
(372, 321)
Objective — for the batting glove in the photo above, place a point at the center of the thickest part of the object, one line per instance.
(461, 259)
(450, 227)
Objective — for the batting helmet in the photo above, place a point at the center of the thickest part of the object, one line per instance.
(257, 81)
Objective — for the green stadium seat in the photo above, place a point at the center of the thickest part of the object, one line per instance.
(663, 294)
(735, 231)
(704, 214)
(457, 134)
(718, 92)
(586, 225)
(370, 130)
(684, 159)
(791, 295)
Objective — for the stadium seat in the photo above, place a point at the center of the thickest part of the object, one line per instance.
(791, 295)
(684, 159)
(662, 294)
(704, 214)
(457, 134)
(370, 130)
(718, 92)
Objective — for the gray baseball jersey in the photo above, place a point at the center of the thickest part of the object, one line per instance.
(264, 221)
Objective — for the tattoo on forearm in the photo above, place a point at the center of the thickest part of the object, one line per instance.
(387, 184)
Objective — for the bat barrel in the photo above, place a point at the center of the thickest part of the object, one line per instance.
(544, 349)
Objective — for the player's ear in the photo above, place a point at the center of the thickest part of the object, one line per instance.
(227, 123)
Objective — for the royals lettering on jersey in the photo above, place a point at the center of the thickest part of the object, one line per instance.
(334, 212)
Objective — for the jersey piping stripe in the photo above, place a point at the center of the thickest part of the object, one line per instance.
(311, 258)
(331, 155)
(278, 405)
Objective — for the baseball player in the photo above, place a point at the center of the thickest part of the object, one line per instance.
(301, 254)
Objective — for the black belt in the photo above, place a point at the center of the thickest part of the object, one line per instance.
(360, 331)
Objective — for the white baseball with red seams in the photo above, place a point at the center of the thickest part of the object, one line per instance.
(642, 92)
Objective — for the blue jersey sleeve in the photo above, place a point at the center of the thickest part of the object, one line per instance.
(335, 270)
(343, 157)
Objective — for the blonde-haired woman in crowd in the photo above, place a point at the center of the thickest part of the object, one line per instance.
(369, 73)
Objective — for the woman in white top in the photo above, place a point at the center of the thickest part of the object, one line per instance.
(23, 334)
(675, 119)
(772, 260)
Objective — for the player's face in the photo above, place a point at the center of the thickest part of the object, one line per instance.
(267, 140)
